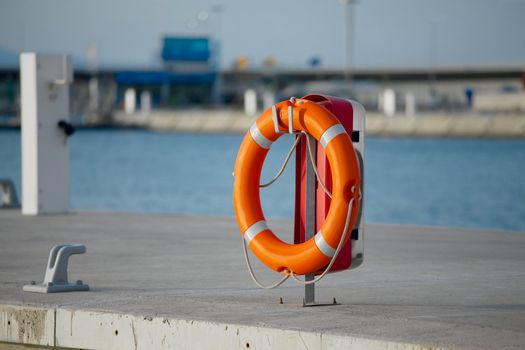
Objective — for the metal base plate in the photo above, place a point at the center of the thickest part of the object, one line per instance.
(334, 302)
(55, 288)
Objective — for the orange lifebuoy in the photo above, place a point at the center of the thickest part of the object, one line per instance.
(314, 254)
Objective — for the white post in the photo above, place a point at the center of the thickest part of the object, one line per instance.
(410, 104)
(389, 102)
(250, 102)
(268, 99)
(130, 101)
(145, 102)
(349, 30)
(93, 96)
(45, 153)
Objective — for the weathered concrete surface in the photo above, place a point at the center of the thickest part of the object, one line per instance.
(167, 281)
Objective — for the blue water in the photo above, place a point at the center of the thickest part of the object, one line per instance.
(444, 182)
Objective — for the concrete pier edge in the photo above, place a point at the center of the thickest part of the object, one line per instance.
(72, 328)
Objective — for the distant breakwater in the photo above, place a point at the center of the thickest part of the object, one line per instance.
(423, 125)
(428, 124)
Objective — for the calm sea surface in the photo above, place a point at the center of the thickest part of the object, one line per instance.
(444, 182)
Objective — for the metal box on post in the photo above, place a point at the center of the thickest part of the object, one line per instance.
(311, 203)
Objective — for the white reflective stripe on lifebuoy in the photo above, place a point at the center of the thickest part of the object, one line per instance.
(254, 230)
(323, 245)
(258, 137)
(290, 119)
(330, 133)
(275, 117)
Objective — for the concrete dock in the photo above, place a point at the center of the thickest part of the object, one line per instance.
(173, 281)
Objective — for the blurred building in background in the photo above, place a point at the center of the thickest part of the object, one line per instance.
(189, 77)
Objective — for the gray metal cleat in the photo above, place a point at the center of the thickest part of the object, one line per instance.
(55, 279)
(8, 197)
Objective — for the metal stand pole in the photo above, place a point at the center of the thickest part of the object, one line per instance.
(310, 225)
(309, 289)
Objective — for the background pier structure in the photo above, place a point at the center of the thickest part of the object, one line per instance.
(419, 288)
(119, 97)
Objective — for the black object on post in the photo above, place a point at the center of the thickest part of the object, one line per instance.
(66, 127)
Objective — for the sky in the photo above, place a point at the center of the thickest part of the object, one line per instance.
(387, 33)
